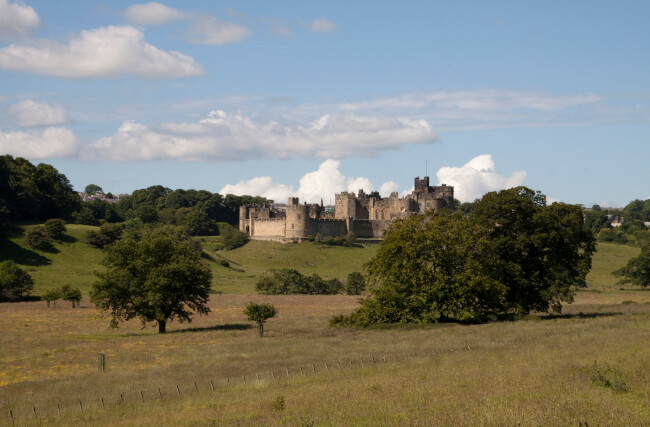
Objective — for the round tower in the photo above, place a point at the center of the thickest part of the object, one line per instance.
(297, 225)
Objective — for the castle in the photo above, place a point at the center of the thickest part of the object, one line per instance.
(365, 215)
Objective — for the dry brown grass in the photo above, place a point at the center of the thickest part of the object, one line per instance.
(529, 372)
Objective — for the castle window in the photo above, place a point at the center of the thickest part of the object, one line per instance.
(292, 226)
(298, 216)
(382, 214)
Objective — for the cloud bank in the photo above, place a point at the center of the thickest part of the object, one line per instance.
(471, 181)
(50, 143)
(221, 137)
(29, 113)
(322, 26)
(102, 52)
(17, 19)
(477, 177)
(209, 30)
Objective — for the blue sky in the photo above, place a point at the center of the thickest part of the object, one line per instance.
(311, 98)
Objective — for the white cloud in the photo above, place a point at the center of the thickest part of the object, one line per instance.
(30, 113)
(387, 188)
(209, 30)
(314, 186)
(17, 19)
(477, 177)
(322, 26)
(153, 13)
(102, 52)
(222, 136)
(49, 143)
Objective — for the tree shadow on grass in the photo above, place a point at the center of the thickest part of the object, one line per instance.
(580, 315)
(68, 239)
(226, 327)
(20, 255)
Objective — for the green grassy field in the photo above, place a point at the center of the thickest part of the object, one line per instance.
(72, 262)
(588, 365)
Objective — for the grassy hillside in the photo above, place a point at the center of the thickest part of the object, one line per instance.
(73, 262)
(609, 257)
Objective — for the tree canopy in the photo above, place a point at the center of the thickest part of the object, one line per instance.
(512, 255)
(430, 268)
(152, 273)
(260, 313)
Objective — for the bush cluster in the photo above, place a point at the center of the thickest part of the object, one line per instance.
(231, 238)
(41, 237)
(349, 241)
(65, 292)
(14, 282)
(107, 234)
(289, 281)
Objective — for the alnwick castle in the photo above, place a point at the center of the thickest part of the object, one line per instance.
(365, 215)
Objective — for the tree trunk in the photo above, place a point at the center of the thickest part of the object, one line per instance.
(162, 326)
(48, 304)
(260, 329)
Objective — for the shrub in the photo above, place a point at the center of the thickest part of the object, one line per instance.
(231, 238)
(38, 238)
(14, 282)
(55, 228)
(289, 281)
(71, 294)
(107, 234)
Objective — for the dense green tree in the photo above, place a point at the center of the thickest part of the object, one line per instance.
(637, 270)
(55, 228)
(154, 274)
(356, 283)
(71, 294)
(14, 281)
(200, 224)
(231, 238)
(430, 268)
(289, 281)
(543, 253)
(93, 188)
(260, 313)
(51, 296)
(596, 219)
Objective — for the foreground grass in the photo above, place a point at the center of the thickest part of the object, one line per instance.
(537, 371)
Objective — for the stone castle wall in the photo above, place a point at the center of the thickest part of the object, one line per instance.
(365, 215)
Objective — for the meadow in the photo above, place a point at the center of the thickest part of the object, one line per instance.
(589, 364)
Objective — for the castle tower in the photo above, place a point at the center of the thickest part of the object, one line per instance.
(297, 220)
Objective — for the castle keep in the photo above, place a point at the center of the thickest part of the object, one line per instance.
(365, 215)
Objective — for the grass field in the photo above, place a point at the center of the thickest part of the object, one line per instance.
(589, 365)
(72, 262)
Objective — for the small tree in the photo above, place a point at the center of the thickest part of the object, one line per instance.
(55, 228)
(153, 274)
(260, 313)
(51, 296)
(71, 294)
(92, 189)
(14, 282)
(637, 270)
(355, 284)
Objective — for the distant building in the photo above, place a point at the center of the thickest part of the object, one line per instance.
(365, 215)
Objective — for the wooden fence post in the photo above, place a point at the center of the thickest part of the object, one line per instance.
(211, 385)
(196, 388)
(34, 409)
(58, 407)
(178, 389)
(81, 407)
(141, 396)
(160, 394)
(12, 416)
(103, 406)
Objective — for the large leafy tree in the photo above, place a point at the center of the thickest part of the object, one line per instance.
(637, 270)
(430, 268)
(154, 274)
(543, 253)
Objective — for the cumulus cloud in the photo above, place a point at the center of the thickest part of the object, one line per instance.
(314, 186)
(49, 143)
(17, 19)
(209, 30)
(30, 113)
(221, 136)
(322, 26)
(102, 52)
(387, 188)
(477, 177)
(153, 13)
